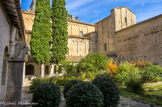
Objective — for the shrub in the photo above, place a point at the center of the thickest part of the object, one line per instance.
(140, 64)
(130, 76)
(92, 75)
(124, 69)
(69, 66)
(108, 88)
(55, 69)
(151, 73)
(69, 84)
(60, 80)
(59, 69)
(47, 95)
(68, 77)
(93, 62)
(134, 81)
(112, 67)
(39, 81)
(84, 94)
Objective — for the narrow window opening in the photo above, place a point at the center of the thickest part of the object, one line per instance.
(105, 47)
(126, 21)
(81, 33)
(47, 70)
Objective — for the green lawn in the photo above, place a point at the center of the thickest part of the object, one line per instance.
(156, 93)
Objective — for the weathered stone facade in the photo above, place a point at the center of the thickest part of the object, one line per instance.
(78, 44)
(142, 41)
(13, 50)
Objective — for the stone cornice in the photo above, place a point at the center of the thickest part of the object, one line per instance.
(81, 23)
(70, 36)
(80, 37)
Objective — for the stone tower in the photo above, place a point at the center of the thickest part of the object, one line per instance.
(33, 6)
(120, 18)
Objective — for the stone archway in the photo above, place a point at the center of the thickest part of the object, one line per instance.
(29, 70)
(47, 70)
(4, 68)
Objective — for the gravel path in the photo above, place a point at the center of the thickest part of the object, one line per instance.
(126, 102)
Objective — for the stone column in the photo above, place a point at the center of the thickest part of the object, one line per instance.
(52, 70)
(42, 70)
(12, 41)
(14, 81)
(15, 73)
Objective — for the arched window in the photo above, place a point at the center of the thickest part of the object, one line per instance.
(4, 67)
(29, 70)
(47, 70)
(81, 33)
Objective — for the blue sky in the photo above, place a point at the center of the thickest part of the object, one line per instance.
(92, 11)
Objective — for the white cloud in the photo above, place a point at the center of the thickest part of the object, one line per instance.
(91, 11)
(74, 5)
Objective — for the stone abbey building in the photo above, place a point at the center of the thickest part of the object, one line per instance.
(117, 36)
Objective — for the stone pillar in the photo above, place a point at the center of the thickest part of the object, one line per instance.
(14, 81)
(52, 70)
(42, 70)
(15, 73)
(12, 41)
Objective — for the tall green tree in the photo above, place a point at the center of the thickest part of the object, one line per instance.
(59, 31)
(41, 35)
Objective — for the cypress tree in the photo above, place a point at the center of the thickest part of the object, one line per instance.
(59, 31)
(40, 37)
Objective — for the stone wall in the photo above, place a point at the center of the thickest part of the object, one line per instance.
(77, 48)
(75, 28)
(93, 42)
(28, 20)
(142, 41)
(4, 43)
(12, 54)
